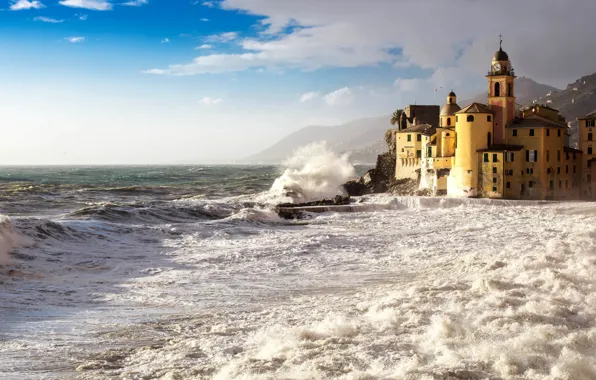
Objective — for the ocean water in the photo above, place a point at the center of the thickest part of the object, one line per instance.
(187, 273)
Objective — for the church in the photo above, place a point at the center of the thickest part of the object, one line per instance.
(493, 150)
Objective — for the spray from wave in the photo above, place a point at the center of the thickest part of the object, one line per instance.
(314, 172)
(8, 239)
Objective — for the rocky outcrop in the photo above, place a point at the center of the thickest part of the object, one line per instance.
(375, 180)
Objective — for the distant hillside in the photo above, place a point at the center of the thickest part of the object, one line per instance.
(526, 90)
(363, 138)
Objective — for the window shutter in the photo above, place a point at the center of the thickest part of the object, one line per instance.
(527, 155)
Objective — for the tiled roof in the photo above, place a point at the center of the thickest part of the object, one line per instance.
(416, 128)
(589, 116)
(535, 123)
(502, 148)
(476, 108)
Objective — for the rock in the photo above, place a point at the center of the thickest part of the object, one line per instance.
(356, 188)
(375, 181)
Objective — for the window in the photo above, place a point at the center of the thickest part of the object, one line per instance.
(509, 156)
(495, 158)
(529, 171)
(560, 184)
(530, 184)
(589, 164)
(552, 185)
(547, 132)
(531, 155)
(489, 118)
(429, 152)
(418, 137)
(494, 170)
(494, 180)
(591, 123)
(409, 138)
(497, 89)
(418, 154)
(559, 133)
(494, 189)
(470, 118)
(509, 185)
(559, 170)
(510, 89)
(486, 157)
(448, 121)
(566, 156)
(589, 150)
(531, 132)
(456, 119)
(590, 136)
(547, 156)
(488, 139)
(558, 155)
(514, 132)
(566, 168)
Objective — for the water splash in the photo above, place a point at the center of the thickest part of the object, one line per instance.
(314, 172)
(8, 239)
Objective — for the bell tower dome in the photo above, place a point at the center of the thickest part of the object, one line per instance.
(501, 95)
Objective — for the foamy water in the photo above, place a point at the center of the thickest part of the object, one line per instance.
(427, 289)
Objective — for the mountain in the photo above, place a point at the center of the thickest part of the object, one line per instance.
(363, 138)
(526, 91)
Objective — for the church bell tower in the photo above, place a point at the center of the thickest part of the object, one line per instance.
(501, 95)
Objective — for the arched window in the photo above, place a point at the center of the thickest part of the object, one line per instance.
(450, 100)
(488, 118)
(470, 117)
(488, 139)
(497, 89)
(448, 134)
(510, 89)
(448, 121)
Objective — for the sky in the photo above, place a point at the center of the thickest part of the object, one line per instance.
(194, 81)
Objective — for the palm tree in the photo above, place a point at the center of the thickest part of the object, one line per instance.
(396, 117)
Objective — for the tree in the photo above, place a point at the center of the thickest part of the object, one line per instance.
(396, 117)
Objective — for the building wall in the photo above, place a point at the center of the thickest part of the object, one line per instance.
(408, 154)
(491, 181)
(586, 145)
(470, 137)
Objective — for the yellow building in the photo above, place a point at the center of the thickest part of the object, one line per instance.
(587, 127)
(495, 150)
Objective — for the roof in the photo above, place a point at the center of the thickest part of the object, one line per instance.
(571, 150)
(535, 122)
(450, 109)
(589, 116)
(501, 56)
(416, 128)
(452, 93)
(476, 108)
(429, 132)
(502, 148)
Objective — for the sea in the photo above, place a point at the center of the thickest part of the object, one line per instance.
(187, 272)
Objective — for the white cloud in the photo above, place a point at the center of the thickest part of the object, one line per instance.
(95, 5)
(360, 35)
(209, 4)
(205, 19)
(20, 5)
(82, 17)
(165, 41)
(136, 3)
(309, 96)
(407, 85)
(75, 40)
(209, 101)
(204, 46)
(341, 97)
(48, 20)
(223, 37)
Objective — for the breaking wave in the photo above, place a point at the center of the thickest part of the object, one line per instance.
(313, 172)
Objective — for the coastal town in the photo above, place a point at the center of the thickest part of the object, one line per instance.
(495, 150)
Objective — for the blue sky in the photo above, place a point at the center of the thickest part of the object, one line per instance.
(156, 81)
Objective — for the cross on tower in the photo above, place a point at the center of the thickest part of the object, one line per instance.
(501, 41)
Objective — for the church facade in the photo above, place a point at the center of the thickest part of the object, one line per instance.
(494, 150)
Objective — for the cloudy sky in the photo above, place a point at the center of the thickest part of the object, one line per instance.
(165, 81)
